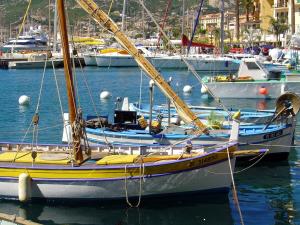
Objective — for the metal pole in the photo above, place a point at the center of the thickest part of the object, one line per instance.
(182, 24)
(143, 22)
(49, 24)
(222, 27)
(151, 87)
(55, 28)
(123, 16)
(183, 9)
(169, 104)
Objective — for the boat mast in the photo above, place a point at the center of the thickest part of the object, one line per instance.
(69, 77)
(102, 18)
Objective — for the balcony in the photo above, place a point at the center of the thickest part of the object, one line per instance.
(281, 5)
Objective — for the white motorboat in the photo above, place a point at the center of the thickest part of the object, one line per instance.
(121, 58)
(200, 62)
(253, 81)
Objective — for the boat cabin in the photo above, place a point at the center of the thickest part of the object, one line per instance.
(252, 69)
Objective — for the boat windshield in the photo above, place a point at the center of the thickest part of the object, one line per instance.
(252, 66)
(255, 65)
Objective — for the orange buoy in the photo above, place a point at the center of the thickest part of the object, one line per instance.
(263, 91)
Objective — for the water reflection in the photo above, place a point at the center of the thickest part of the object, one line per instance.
(23, 108)
(191, 210)
(265, 194)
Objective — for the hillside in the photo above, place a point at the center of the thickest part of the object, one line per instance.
(12, 12)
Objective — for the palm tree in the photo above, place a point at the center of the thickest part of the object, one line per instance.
(278, 26)
(216, 32)
(292, 2)
(237, 22)
(248, 5)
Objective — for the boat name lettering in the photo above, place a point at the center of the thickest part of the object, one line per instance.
(209, 159)
(273, 134)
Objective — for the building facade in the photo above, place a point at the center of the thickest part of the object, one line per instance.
(282, 8)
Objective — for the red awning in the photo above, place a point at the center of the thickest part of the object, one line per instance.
(185, 42)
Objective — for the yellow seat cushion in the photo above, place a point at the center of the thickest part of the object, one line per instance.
(25, 157)
(12, 156)
(117, 159)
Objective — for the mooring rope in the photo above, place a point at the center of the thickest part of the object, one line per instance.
(234, 188)
(141, 180)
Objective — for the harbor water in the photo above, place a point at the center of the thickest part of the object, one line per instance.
(267, 193)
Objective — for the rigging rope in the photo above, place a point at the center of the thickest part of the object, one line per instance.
(62, 111)
(190, 67)
(141, 84)
(196, 22)
(162, 26)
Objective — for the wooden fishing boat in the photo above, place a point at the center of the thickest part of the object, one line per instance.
(51, 174)
(80, 172)
(277, 137)
(203, 112)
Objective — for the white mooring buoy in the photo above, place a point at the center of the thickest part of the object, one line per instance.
(24, 187)
(24, 100)
(105, 95)
(204, 89)
(187, 89)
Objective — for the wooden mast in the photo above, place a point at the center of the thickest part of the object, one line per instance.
(69, 77)
(102, 18)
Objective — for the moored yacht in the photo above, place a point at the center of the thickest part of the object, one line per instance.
(34, 39)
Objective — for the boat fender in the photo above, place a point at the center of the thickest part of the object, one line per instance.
(142, 122)
(263, 90)
(204, 89)
(215, 127)
(24, 187)
(237, 115)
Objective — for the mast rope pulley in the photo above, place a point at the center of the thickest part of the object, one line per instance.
(78, 130)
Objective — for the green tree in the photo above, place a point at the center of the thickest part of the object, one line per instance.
(278, 26)
(216, 32)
